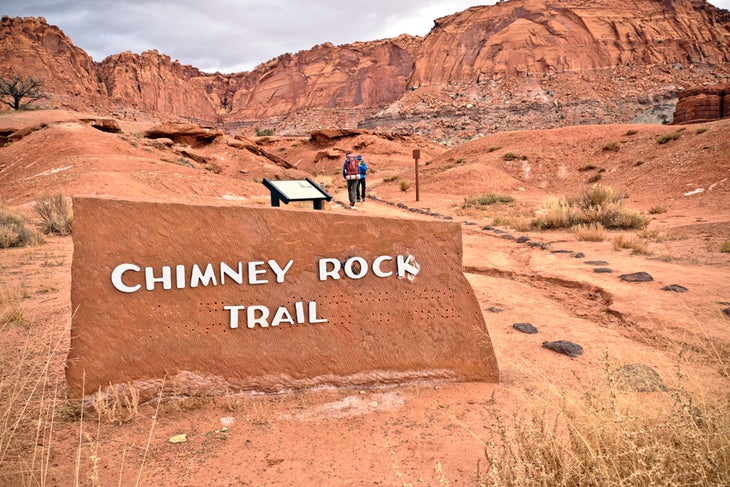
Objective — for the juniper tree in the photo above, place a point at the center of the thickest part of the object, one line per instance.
(18, 88)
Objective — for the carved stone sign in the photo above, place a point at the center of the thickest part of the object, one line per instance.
(237, 298)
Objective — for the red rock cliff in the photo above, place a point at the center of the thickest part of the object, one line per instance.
(516, 64)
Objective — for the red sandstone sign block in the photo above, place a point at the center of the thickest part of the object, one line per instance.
(218, 298)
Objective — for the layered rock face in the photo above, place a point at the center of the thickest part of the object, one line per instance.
(534, 37)
(703, 104)
(516, 64)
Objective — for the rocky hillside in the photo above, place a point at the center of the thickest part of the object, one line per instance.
(517, 64)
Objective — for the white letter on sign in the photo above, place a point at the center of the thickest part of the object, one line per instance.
(234, 314)
(406, 266)
(117, 274)
(324, 273)
(376, 266)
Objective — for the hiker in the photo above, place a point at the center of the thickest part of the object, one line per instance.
(362, 168)
(351, 175)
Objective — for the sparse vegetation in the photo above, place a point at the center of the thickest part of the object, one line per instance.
(54, 213)
(14, 232)
(701, 130)
(510, 156)
(725, 248)
(638, 163)
(264, 132)
(594, 179)
(657, 210)
(405, 185)
(611, 147)
(609, 437)
(632, 132)
(390, 179)
(494, 148)
(483, 200)
(663, 139)
(600, 204)
(588, 167)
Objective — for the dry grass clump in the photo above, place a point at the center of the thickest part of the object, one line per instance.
(612, 438)
(589, 232)
(14, 232)
(481, 201)
(725, 247)
(600, 204)
(117, 405)
(405, 185)
(636, 245)
(54, 213)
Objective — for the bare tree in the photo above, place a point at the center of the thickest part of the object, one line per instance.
(19, 88)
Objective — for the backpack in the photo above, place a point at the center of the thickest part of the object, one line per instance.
(351, 167)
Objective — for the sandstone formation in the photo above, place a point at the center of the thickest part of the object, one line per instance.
(393, 304)
(703, 104)
(516, 64)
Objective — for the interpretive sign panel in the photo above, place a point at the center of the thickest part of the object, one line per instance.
(257, 298)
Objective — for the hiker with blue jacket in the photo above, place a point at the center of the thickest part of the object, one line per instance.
(362, 168)
(351, 174)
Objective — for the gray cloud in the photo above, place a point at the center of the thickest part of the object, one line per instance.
(233, 35)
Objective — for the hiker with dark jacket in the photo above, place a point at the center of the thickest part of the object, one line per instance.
(352, 175)
(362, 168)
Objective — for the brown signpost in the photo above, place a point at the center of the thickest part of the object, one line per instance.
(416, 156)
(222, 298)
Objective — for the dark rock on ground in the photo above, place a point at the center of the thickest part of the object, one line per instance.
(636, 277)
(596, 262)
(493, 309)
(637, 378)
(528, 328)
(561, 251)
(676, 288)
(602, 270)
(565, 347)
(579, 255)
(523, 239)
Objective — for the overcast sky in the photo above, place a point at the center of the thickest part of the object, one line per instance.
(234, 35)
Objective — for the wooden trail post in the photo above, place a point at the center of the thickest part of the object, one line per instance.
(416, 156)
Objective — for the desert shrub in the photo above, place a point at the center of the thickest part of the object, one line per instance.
(482, 200)
(663, 139)
(14, 232)
(600, 204)
(589, 232)
(701, 130)
(594, 179)
(54, 213)
(556, 212)
(656, 210)
(390, 179)
(588, 167)
(638, 163)
(405, 185)
(510, 156)
(214, 168)
(632, 132)
(725, 247)
(611, 147)
(264, 132)
(494, 148)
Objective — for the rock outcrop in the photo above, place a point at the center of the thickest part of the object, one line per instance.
(516, 64)
(703, 104)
